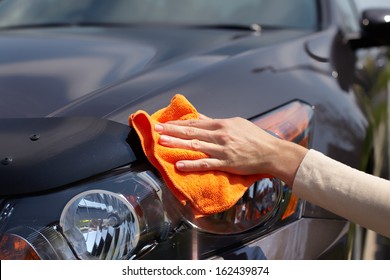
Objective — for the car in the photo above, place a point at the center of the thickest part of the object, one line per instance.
(75, 183)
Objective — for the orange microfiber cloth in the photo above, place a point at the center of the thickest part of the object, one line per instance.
(208, 192)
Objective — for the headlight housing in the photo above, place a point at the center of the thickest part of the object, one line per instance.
(125, 213)
(267, 200)
(111, 218)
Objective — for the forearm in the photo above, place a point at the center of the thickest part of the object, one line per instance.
(359, 197)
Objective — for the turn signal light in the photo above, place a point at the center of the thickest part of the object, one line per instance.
(291, 122)
(14, 247)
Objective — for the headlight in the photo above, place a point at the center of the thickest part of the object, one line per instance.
(112, 218)
(268, 200)
(101, 224)
(128, 212)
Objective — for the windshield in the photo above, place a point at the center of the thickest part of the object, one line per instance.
(301, 14)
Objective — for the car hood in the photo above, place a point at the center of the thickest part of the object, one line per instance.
(50, 71)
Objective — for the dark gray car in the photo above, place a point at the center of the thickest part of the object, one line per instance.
(75, 183)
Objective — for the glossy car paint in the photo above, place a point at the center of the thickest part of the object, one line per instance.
(110, 72)
(53, 152)
(99, 83)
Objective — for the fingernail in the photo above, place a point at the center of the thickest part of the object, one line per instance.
(179, 165)
(158, 127)
(164, 138)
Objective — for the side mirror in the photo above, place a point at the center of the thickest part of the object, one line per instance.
(375, 25)
(375, 29)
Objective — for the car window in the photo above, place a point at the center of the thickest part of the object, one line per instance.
(279, 13)
(364, 4)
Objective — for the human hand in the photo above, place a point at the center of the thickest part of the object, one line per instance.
(233, 145)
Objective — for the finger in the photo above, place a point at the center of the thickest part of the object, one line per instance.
(203, 123)
(206, 164)
(193, 145)
(204, 117)
(184, 132)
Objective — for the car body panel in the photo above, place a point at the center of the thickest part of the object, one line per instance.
(75, 86)
(76, 66)
(53, 152)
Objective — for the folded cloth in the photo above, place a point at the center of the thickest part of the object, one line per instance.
(208, 192)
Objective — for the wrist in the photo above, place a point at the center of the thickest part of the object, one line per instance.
(288, 158)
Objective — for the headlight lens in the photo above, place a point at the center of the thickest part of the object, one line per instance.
(101, 224)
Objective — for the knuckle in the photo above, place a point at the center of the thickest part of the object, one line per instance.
(226, 123)
(192, 122)
(226, 153)
(237, 119)
(189, 132)
(195, 144)
(223, 137)
(203, 164)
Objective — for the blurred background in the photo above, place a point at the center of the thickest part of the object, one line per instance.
(376, 100)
